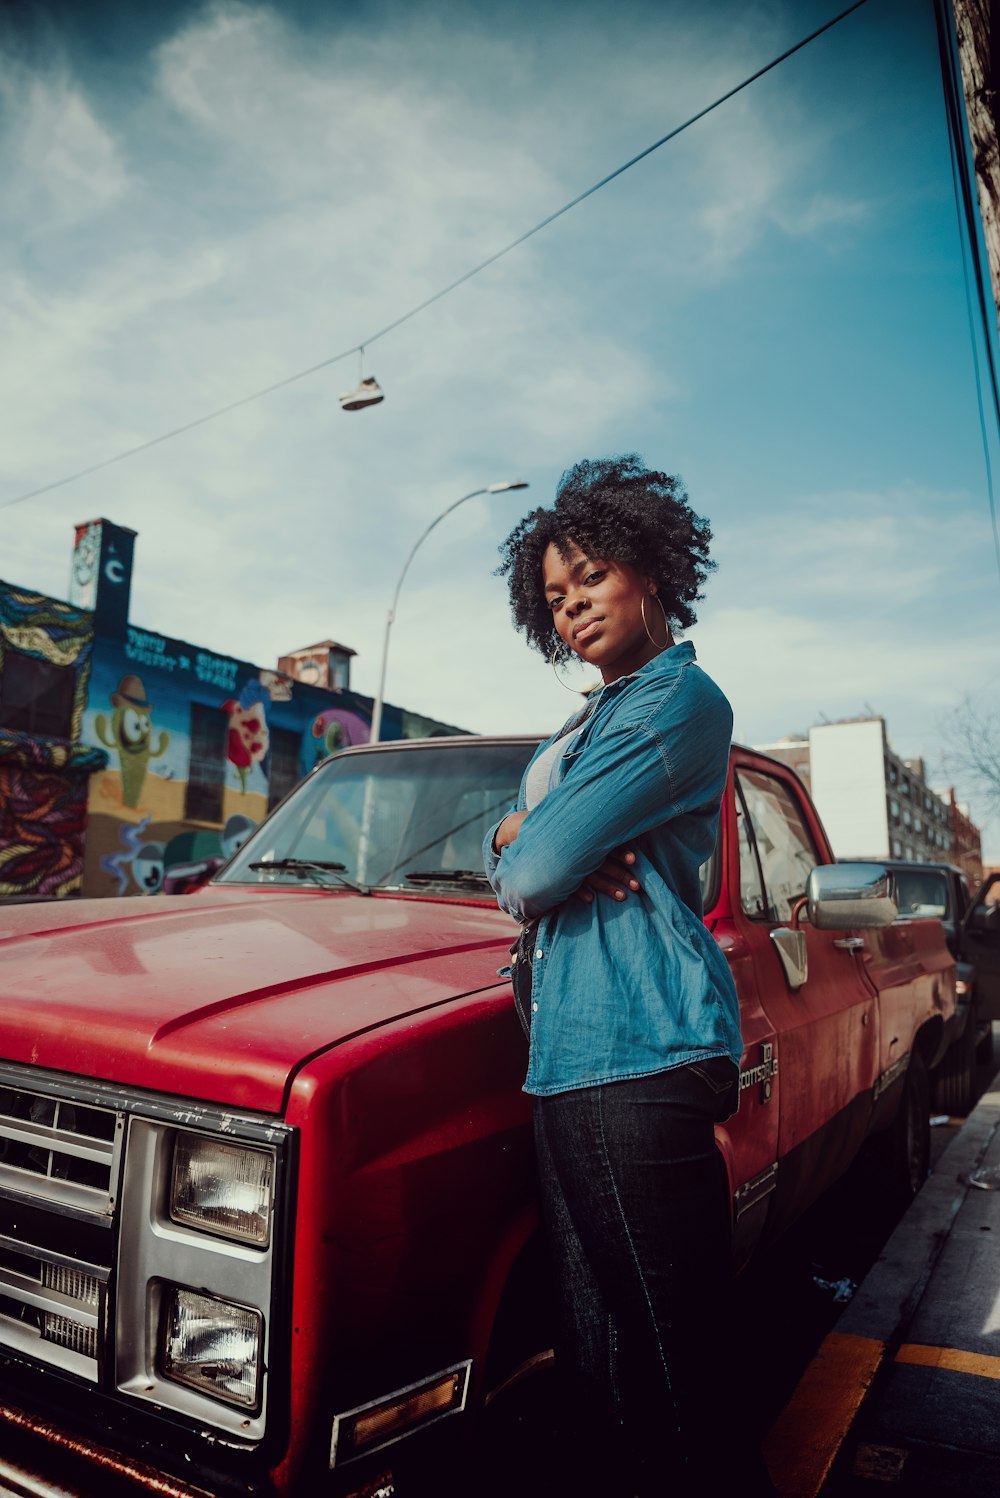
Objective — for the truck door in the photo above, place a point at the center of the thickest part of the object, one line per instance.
(825, 1023)
(980, 945)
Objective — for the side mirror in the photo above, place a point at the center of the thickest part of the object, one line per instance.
(985, 918)
(853, 896)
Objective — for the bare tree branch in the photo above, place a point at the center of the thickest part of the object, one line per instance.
(972, 736)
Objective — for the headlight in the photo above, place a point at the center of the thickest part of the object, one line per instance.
(213, 1346)
(222, 1188)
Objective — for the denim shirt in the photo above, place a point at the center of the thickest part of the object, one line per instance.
(626, 988)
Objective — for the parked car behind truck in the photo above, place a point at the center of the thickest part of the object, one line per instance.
(268, 1210)
(972, 930)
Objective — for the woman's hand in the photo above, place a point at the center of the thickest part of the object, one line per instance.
(507, 832)
(614, 877)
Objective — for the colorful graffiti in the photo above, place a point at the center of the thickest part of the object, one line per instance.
(337, 728)
(135, 857)
(142, 867)
(249, 738)
(131, 734)
(148, 798)
(43, 781)
(43, 818)
(50, 631)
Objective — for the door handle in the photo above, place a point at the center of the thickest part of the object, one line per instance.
(850, 943)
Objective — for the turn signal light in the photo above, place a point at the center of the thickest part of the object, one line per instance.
(371, 1426)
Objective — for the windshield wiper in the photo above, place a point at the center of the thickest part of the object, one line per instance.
(317, 867)
(446, 876)
(297, 863)
(440, 838)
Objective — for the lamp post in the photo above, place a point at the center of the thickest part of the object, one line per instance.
(390, 617)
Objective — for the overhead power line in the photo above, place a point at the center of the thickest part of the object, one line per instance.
(355, 348)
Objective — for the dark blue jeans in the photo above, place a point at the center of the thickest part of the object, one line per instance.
(636, 1211)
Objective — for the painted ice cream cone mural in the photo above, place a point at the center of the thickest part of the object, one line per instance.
(131, 733)
(249, 739)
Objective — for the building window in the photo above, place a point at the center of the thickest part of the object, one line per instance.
(284, 761)
(893, 777)
(904, 786)
(894, 809)
(906, 816)
(918, 825)
(897, 848)
(36, 696)
(207, 771)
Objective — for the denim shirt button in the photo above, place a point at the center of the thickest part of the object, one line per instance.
(539, 954)
(534, 1008)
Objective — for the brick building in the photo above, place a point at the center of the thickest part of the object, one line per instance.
(875, 804)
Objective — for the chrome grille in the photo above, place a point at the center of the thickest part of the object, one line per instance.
(51, 1307)
(56, 1150)
(76, 1225)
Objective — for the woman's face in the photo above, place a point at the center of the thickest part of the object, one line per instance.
(597, 609)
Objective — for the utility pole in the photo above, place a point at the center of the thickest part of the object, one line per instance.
(978, 33)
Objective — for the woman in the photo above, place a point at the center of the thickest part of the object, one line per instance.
(634, 1040)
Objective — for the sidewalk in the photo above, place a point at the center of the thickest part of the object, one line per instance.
(903, 1396)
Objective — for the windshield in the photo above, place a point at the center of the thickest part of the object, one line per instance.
(406, 818)
(400, 817)
(921, 892)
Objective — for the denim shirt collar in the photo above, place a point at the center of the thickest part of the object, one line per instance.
(665, 664)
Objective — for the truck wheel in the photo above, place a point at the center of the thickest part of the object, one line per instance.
(953, 1084)
(903, 1152)
(984, 1049)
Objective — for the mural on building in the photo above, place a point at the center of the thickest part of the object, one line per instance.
(43, 628)
(43, 776)
(86, 559)
(131, 735)
(249, 739)
(189, 778)
(337, 728)
(142, 867)
(135, 858)
(149, 760)
(43, 819)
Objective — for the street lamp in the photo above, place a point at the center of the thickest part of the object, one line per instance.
(489, 489)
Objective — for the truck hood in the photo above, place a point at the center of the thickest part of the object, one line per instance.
(222, 995)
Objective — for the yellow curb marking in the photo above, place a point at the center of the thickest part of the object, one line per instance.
(801, 1445)
(978, 1363)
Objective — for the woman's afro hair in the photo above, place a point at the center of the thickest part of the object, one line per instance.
(615, 510)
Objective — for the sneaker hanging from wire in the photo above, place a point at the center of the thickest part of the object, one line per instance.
(367, 393)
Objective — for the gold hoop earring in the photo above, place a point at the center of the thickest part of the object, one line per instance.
(554, 663)
(660, 644)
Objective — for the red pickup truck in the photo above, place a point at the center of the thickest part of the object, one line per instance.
(267, 1215)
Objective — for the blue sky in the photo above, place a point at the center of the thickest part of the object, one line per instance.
(201, 199)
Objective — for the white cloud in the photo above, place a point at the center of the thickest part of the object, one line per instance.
(890, 549)
(821, 211)
(59, 165)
